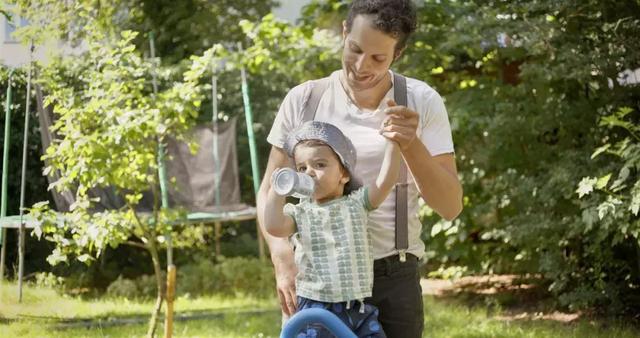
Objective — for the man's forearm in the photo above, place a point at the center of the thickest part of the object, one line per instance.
(436, 179)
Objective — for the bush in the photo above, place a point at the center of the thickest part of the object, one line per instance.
(49, 280)
(123, 288)
(532, 90)
(143, 287)
(231, 276)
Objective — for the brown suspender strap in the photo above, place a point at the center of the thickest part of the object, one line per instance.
(402, 212)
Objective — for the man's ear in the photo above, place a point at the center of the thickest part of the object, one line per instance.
(344, 29)
(398, 54)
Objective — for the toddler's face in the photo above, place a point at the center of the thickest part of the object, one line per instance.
(324, 166)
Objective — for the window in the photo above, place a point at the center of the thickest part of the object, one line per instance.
(10, 28)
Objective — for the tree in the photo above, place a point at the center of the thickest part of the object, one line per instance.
(182, 28)
(526, 84)
(109, 127)
(532, 91)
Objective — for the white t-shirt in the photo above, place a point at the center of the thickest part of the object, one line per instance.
(362, 127)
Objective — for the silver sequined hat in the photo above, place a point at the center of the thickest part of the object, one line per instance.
(335, 139)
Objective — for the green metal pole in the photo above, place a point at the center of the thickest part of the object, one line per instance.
(249, 122)
(252, 146)
(162, 172)
(23, 175)
(5, 173)
(214, 120)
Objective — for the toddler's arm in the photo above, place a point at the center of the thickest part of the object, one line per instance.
(275, 221)
(388, 174)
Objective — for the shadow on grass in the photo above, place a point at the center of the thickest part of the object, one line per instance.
(516, 299)
(110, 320)
(505, 294)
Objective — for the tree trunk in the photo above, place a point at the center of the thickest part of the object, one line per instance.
(153, 321)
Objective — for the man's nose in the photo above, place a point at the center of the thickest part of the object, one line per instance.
(361, 62)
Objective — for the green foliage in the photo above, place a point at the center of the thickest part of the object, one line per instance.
(532, 92)
(35, 186)
(5, 13)
(35, 183)
(610, 206)
(109, 127)
(231, 276)
(125, 288)
(225, 317)
(181, 28)
(526, 84)
(279, 48)
(277, 57)
(48, 280)
(203, 277)
(142, 287)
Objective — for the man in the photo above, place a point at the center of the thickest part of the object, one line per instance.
(359, 100)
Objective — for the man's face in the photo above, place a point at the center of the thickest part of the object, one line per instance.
(367, 54)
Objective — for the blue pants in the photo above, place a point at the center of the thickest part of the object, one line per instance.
(362, 324)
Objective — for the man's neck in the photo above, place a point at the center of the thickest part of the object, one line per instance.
(367, 98)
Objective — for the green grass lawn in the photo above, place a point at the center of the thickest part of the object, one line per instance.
(45, 313)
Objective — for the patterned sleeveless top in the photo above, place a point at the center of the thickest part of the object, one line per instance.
(333, 251)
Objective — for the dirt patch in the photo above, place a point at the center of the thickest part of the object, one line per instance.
(555, 316)
(490, 284)
(511, 297)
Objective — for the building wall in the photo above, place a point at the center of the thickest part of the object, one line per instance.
(15, 54)
(289, 10)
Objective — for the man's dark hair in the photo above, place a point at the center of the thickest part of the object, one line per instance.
(394, 17)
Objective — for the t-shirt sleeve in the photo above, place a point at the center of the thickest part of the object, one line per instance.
(435, 126)
(290, 210)
(289, 115)
(361, 196)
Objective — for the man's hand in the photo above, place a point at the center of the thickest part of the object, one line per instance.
(400, 124)
(285, 269)
(281, 251)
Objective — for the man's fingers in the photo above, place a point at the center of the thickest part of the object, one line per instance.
(391, 103)
(291, 302)
(404, 122)
(399, 134)
(400, 111)
(395, 120)
(408, 129)
(283, 303)
(389, 132)
(295, 300)
(402, 140)
(288, 301)
(394, 135)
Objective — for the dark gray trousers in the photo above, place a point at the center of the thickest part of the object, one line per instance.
(398, 295)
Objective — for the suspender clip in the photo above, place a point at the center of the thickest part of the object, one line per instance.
(403, 255)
